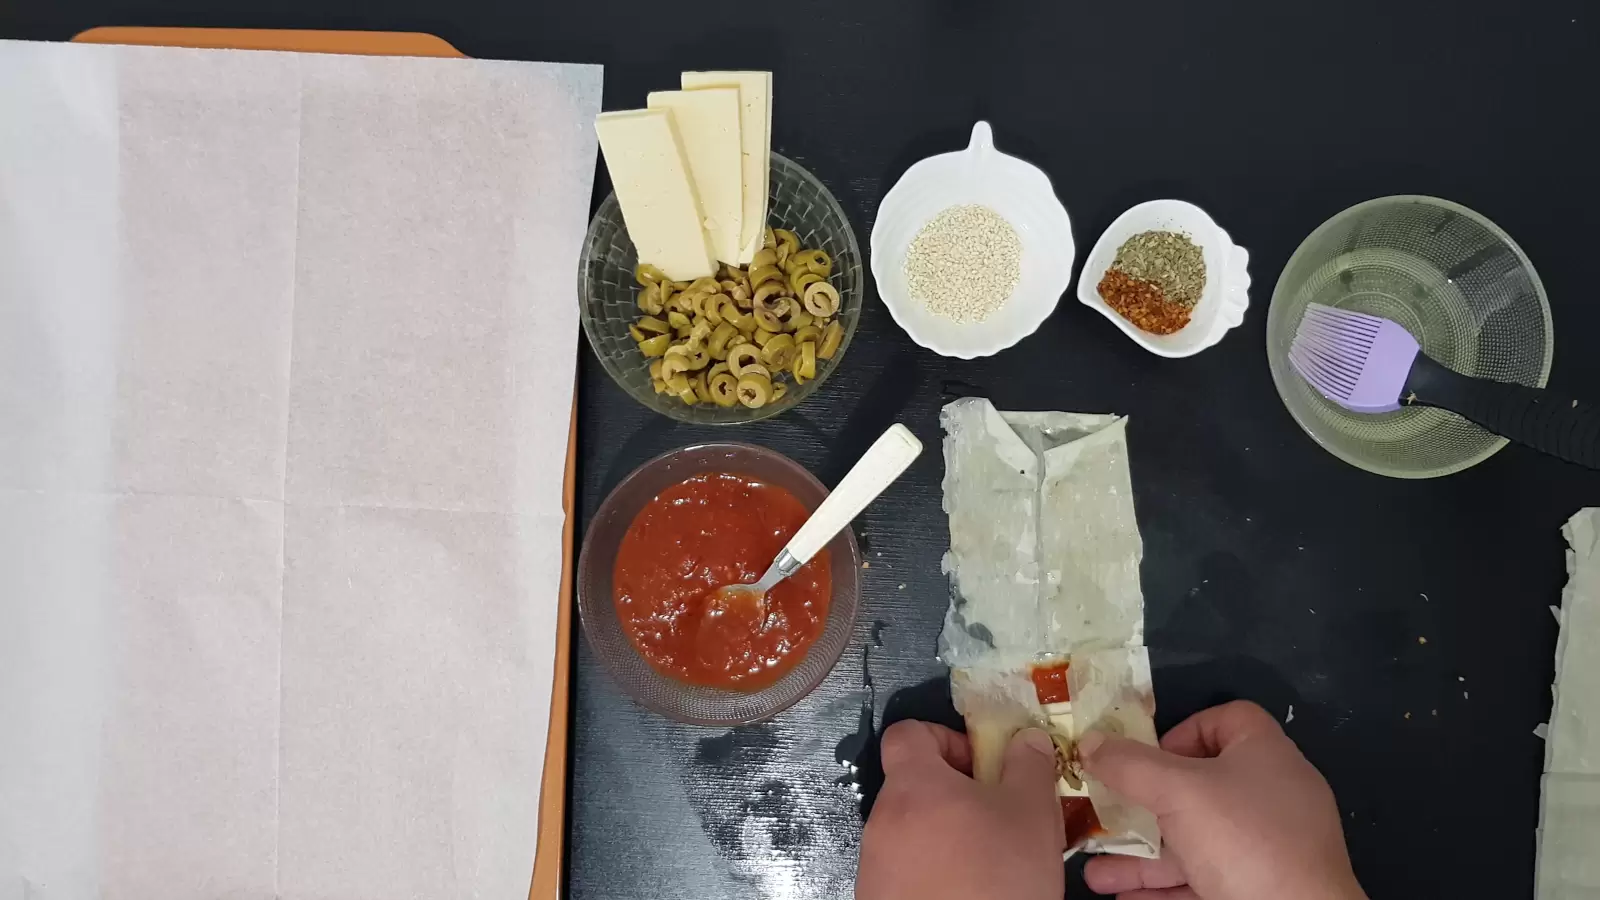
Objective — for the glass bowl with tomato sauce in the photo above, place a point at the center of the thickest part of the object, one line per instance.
(677, 528)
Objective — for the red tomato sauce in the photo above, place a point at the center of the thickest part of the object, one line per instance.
(1078, 818)
(1079, 821)
(694, 537)
(1050, 684)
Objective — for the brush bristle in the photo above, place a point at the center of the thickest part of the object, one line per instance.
(1330, 348)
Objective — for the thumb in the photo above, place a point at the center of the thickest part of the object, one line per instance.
(1147, 776)
(1030, 761)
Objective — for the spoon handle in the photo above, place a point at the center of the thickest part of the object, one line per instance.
(875, 471)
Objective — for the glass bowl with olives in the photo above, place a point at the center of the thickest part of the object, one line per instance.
(745, 344)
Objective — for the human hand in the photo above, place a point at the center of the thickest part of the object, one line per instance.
(935, 833)
(1244, 815)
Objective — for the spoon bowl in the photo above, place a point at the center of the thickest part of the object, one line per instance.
(878, 468)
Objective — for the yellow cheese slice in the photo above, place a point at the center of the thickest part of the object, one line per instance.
(755, 136)
(707, 123)
(652, 181)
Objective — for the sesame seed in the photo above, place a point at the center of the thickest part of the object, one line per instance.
(964, 264)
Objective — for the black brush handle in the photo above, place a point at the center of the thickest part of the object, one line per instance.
(1550, 423)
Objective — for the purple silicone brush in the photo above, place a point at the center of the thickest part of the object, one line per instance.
(1368, 364)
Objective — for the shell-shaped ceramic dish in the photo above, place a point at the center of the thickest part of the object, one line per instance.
(1021, 193)
(1227, 292)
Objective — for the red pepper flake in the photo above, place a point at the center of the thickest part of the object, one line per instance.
(1142, 303)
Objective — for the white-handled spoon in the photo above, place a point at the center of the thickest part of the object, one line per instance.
(876, 470)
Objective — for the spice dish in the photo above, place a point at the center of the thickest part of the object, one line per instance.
(950, 185)
(1223, 300)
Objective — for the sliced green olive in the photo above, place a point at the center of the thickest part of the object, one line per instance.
(778, 351)
(773, 316)
(699, 333)
(815, 262)
(712, 308)
(741, 356)
(821, 299)
(767, 320)
(718, 345)
(673, 365)
(786, 237)
(650, 299)
(766, 292)
(809, 258)
(832, 337)
(805, 363)
(799, 281)
(764, 274)
(724, 389)
(755, 391)
(652, 347)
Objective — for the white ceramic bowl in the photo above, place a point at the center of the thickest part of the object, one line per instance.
(1227, 292)
(1021, 193)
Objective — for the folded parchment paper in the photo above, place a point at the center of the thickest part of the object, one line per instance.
(1044, 565)
(286, 356)
(1569, 820)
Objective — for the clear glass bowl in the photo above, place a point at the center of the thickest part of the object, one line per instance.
(1446, 274)
(608, 292)
(598, 612)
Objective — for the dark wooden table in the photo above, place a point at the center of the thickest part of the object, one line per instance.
(1405, 622)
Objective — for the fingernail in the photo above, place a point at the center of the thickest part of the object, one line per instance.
(1039, 741)
(1090, 742)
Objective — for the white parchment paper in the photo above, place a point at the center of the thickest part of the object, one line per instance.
(286, 357)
